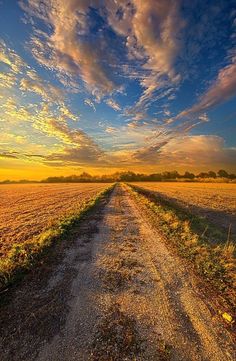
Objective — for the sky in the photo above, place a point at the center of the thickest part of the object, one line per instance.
(112, 85)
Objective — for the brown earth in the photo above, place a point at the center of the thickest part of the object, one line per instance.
(214, 201)
(27, 210)
(116, 293)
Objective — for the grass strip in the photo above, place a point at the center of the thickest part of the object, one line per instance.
(24, 256)
(214, 260)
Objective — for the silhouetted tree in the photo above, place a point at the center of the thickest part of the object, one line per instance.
(188, 175)
(211, 174)
(223, 174)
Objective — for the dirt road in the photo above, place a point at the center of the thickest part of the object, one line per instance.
(118, 293)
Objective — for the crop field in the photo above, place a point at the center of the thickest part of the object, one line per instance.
(215, 201)
(27, 210)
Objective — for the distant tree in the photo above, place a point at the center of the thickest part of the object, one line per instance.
(170, 175)
(188, 175)
(223, 174)
(154, 177)
(211, 174)
(85, 175)
(203, 175)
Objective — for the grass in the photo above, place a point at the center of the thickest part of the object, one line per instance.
(203, 244)
(24, 256)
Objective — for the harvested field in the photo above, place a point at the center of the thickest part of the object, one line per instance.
(117, 292)
(27, 210)
(215, 201)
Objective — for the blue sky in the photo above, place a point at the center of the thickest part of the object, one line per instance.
(112, 85)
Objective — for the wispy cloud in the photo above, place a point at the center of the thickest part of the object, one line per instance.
(222, 89)
(8, 155)
(90, 103)
(113, 104)
(152, 33)
(66, 48)
(153, 36)
(46, 90)
(190, 152)
(110, 130)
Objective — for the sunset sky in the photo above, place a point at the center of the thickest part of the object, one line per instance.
(112, 85)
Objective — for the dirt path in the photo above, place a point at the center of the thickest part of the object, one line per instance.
(119, 294)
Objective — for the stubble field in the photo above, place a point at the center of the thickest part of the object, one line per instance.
(215, 201)
(26, 210)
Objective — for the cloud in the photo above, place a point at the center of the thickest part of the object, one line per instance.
(10, 58)
(90, 103)
(46, 91)
(11, 111)
(114, 105)
(153, 35)
(8, 138)
(8, 155)
(110, 130)
(7, 80)
(148, 31)
(189, 152)
(156, 27)
(13, 66)
(77, 146)
(66, 48)
(17, 80)
(66, 113)
(83, 155)
(221, 90)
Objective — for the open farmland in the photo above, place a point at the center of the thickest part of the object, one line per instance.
(118, 291)
(27, 210)
(215, 201)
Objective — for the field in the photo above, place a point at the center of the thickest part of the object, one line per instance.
(27, 210)
(215, 201)
(131, 281)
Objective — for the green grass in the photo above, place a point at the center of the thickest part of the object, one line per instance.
(24, 256)
(195, 239)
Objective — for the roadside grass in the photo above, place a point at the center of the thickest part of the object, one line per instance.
(24, 256)
(208, 248)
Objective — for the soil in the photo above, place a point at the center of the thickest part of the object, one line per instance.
(115, 292)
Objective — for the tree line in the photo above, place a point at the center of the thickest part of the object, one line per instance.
(130, 176)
